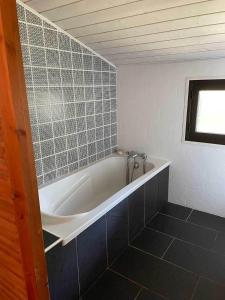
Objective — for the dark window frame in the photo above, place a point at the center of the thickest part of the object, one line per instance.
(193, 91)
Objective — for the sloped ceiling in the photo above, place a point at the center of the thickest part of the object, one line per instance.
(128, 31)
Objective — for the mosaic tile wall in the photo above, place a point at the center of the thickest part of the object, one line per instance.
(72, 99)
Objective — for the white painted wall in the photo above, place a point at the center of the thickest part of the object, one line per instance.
(151, 106)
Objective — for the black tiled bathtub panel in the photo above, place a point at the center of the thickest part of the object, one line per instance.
(73, 268)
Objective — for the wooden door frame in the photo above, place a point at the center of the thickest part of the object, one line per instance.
(18, 155)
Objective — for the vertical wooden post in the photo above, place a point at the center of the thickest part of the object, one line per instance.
(23, 272)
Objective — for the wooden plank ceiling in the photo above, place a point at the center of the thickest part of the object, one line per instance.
(129, 31)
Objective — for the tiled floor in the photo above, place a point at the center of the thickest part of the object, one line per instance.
(180, 255)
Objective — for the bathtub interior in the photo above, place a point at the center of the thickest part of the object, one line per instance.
(83, 191)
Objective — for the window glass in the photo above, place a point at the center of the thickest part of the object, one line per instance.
(211, 112)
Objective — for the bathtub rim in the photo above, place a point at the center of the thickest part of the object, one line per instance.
(69, 230)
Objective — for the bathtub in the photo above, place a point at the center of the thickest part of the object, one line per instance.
(70, 205)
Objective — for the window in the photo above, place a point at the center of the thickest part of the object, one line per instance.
(206, 111)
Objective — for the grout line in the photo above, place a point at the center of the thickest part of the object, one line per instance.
(106, 236)
(170, 244)
(127, 278)
(188, 217)
(195, 288)
(157, 257)
(138, 294)
(78, 270)
(187, 242)
(197, 225)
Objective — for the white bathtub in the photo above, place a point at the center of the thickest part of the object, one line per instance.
(71, 204)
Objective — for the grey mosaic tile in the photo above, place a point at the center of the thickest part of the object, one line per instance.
(35, 35)
(37, 151)
(100, 146)
(113, 129)
(54, 77)
(88, 62)
(92, 159)
(70, 110)
(44, 113)
(89, 93)
(106, 106)
(52, 58)
(65, 59)
(64, 41)
(90, 122)
(80, 109)
(28, 76)
(71, 141)
(68, 94)
(71, 126)
(48, 25)
(41, 95)
(59, 128)
(35, 133)
(82, 152)
(23, 33)
(30, 96)
(71, 96)
(37, 56)
(83, 163)
(99, 133)
(47, 148)
(49, 164)
(82, 138)
(88, 78)
(97, 63)
(73, 167)
(81, 124)
(62, 171)
(60, 144)
(38, 167)
(86, 51)
(98, 107)
(32, 18)
(51, 38)
(105, 78)
(91, 135)
(20, 12)
(91, 149)
(40, 77)
(97, 78)
(107, 143)
(26, 55)
(107, 131)
(67, 77)
(98, 93)
(55, 95)
(76, 47)
(77, 61)
(45, 131)
(90, 108)
(57, 112)
(113, 140)
(49, 177)
(61, 160)
(99, 120)
(112, 78)
(72, 156)
(113, 104)
(105, 66)
(79, 93)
